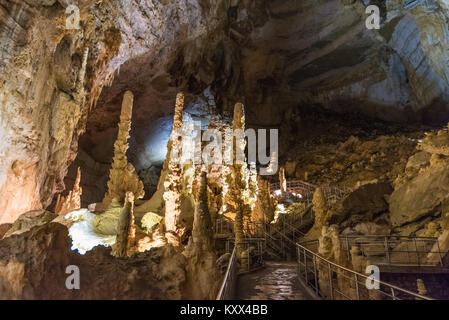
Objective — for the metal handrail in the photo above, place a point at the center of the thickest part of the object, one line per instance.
(331, 193)
(226, 288)
(354, 275)
(389, 247)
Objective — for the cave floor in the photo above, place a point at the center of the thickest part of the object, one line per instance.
(277, 281)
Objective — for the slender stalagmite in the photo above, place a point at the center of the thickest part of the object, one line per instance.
(173, 182)
(238, 184)
(123, 176)
(282, 180)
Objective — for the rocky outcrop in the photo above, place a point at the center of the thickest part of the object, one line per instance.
(362, 204)
(33, 266)
(29, 220)
(73, 200)
(43, 106)
(425, 186)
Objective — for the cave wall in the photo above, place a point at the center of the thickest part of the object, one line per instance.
(271, 55)
(41, 60)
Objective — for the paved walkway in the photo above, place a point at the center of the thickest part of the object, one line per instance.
(277, 281)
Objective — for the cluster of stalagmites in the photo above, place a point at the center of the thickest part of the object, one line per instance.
(182, 213)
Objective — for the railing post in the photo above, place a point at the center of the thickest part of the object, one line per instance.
(417, 252)
(387, 252)
(347, 248)
(305, 265)
(249, 257)
(357, 287)
(315, 275)
(392, 294)
(439, 252)
(331, 289)
(298, 259)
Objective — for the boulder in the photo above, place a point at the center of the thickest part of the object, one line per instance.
(367, 200)
(421, 195)
(29, 220)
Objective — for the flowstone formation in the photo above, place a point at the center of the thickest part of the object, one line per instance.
(72, 202)
(123, 177)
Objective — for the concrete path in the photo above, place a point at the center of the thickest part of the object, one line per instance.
(277, 281)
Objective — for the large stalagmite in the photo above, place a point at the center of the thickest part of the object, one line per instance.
(123, 176)
(202, 272)
(235, 179)
(173, 182)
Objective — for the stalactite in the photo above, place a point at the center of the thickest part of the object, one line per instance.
(126, 229)
(123, 176)
(173, 181)
(73, 200)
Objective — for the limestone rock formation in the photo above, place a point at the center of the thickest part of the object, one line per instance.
(235, 180)
(155, 274)
(29, 220)
(282, 180)
(106, 223)
(436, 143)
(426, 187)
(320, 207)
(123, 177)
(73, 200)
(203, 277)
(173, 181)
(362, 204)
(263, 211)
(126, 231)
